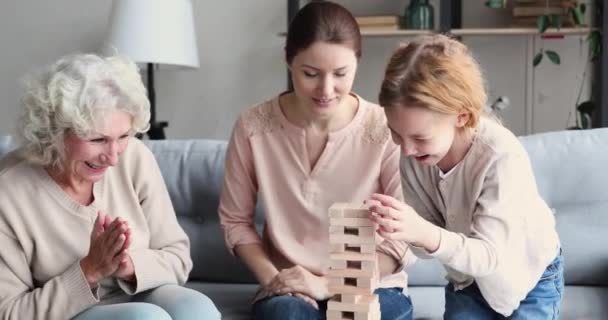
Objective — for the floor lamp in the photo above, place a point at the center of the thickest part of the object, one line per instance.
(157, 33)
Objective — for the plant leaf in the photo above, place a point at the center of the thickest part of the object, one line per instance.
(556, 21)
(537, 59)
(577, 15)
(553, 56)
(542, 23)
(584, 120)
(594, 39)
(586, 107)
(585, 123)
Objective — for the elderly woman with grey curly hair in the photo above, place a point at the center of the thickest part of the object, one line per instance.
(86, 224)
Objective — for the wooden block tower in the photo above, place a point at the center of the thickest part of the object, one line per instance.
(353, 274)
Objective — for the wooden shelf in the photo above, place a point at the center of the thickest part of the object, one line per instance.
(379, 32)
(476, 32)
(519, 31)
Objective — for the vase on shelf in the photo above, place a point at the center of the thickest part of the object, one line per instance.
(419, 15)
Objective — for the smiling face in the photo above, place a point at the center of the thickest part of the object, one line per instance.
(88, 158)
(323, 76)
(426, 135)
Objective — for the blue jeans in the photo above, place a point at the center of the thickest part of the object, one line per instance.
(542, 302)
(168, 302)
(394, 305)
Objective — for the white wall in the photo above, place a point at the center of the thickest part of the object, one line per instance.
(242, 61)
(240, 55)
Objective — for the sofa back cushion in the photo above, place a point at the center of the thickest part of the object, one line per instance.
(193, 171)
(570, 170)
(7, 144)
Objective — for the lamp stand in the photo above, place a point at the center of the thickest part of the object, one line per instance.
(157, 129)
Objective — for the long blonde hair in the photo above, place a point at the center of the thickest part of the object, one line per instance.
(438, 73)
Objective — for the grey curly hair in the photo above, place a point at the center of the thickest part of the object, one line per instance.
(70, 95)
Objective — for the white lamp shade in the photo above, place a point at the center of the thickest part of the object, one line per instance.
(153, 31)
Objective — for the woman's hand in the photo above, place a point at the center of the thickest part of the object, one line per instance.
(263, 294)
(398, 221)
(107, 249)
(299, 282)
(126, 270)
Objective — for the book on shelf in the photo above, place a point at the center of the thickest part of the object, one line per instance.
(526, 12)
(530, 22)
(379, 27)
(538, 11)
(377, 20)
(544, 2)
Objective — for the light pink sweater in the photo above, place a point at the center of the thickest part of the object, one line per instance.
(267, 155)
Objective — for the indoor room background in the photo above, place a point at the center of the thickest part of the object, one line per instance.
(241, 60)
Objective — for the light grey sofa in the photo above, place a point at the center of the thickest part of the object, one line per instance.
(570, 168)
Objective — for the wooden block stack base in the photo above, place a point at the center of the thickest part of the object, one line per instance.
(353, 273)
(364, 308)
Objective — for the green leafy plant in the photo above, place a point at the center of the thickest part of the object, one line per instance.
(584, 109)
(543, 22)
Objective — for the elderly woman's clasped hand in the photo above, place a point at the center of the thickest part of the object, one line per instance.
(108, 255)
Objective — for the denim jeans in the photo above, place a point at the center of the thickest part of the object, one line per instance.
(168, 302)
(542, 302)
(394, 305)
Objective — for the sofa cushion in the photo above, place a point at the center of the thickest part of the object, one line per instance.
(568, 165)
(583, 231)
(232, 300)
(569, 170)
(193, 171)
(7, 144)
(584, 303)
(427, 272)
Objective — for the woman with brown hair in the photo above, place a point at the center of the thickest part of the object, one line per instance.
(302, 151)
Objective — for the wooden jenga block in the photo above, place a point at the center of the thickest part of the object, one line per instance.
(336, 210)
(351, 239)
(351, 222)
(337, 315)
(358, 248)
(335, 281)
(352, 256)
(337, 247)
(355, 212)
(368, 281)
(365, 304)
(367, 316)
(337, 264)
(351, 273)
(349, 298)
(369, 266)
(348, 210)
(361, 248)
(363, 266)
(359, 231)
(347, 289)
(349, 315)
